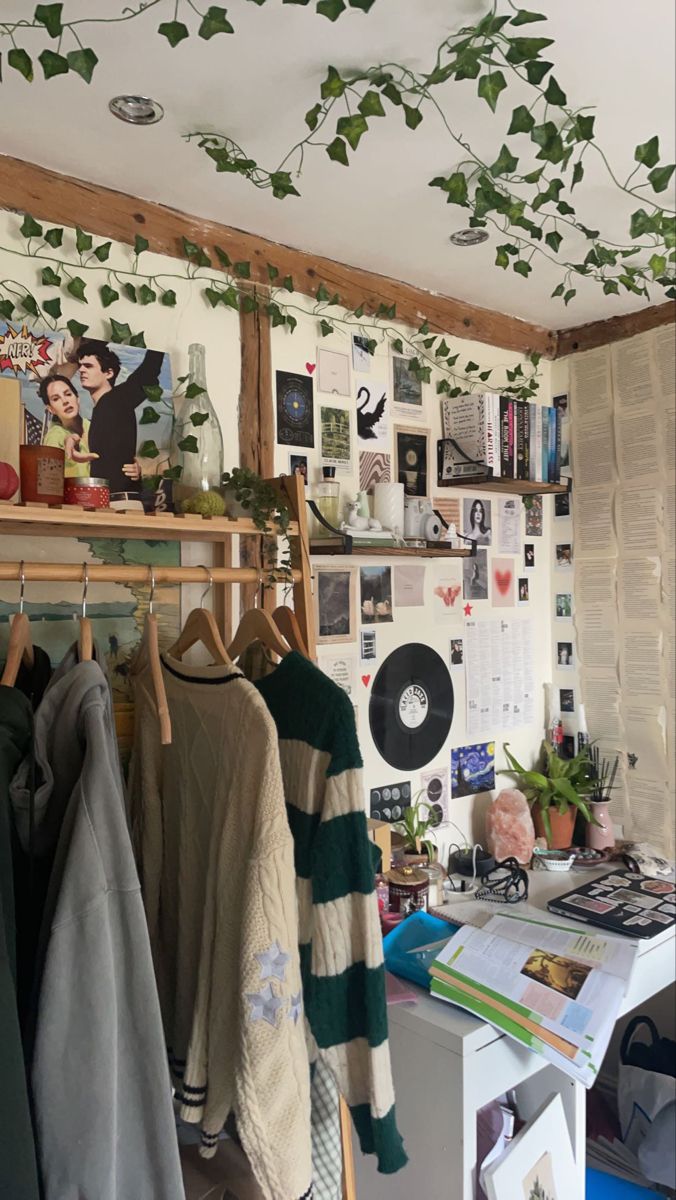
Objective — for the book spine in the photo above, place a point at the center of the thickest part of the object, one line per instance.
(551, 462)
(506, 445)
(557, 452)
(490, 435)
(532, 452)
(537, 421)
(526, 441)
(544, 412)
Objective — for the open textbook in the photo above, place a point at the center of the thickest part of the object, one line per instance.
(551, 987)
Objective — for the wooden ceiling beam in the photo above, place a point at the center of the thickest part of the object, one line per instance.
(614, 329)
(62, 200)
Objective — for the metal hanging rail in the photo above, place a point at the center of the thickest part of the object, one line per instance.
(48, 572)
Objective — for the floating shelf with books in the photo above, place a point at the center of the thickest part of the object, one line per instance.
(515, 487)
(339, 546)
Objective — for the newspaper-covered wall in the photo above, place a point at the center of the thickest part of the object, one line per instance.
(623, 406)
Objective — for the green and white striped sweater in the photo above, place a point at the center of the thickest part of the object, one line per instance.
(340, 942)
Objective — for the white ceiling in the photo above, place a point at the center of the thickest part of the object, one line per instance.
(378, 214)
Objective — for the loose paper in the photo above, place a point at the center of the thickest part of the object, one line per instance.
(509, 518)
(499, 680)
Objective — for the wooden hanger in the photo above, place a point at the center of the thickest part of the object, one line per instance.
(85, 642)
(153, 644)
(258, 626)
(20, 646)
(287, 623)
(201, 626)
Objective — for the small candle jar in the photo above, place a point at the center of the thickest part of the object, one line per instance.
(42, 469)
(87, 491)
(408, 890)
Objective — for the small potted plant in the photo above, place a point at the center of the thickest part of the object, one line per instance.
(556, 792)
(415, 830)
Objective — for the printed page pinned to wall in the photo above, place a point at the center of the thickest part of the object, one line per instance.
(336, 440)
(295, 410)
(447, 591)
(333, 372)
(409, 585)
(372, 408)
(407, 391)
(509, 525)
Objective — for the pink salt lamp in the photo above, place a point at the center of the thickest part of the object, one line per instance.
(509, 827)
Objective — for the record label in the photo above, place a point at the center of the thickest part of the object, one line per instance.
(411, 706)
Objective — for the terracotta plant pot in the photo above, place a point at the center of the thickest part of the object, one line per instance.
(562, 826)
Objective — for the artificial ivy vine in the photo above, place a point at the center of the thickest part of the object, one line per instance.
(78, 271)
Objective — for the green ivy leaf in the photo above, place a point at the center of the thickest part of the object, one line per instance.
(471, 366)
(29, 304)
(412, 116)
(102, 252)
(522, 267)
(140, 244)
(149, 450)
(656, 262)
(194, 390)
(76, 288)
(149, 416)
(548, 138)
(49, 278)
(49, 15)
(173, 31)
(214, 21)
(337, 151)
(52, 64)
(524, 17)
(82, 62)
(153, 391)
(642, 222)
(524, 49)
(146, 295)
(611, 287)
(242, 269)
(189, 444)
(196, 253)
(364, 5)
(199, 418)
(108, 295)
(76, 329)
(392, 92)
(568, 296)
(52, 307)
(371, 105)
(443, 386)
(455, 187)
(322, 294)
(660, 176)
(554, 93)
(325, 328)
(287, 283)
(223, 258)
(6, 309)
(505, 163)
(333, 85)
(312, 116)
(172, 473)
(553, 240)
(501, 257)
(331, 8)
(424, 328)
(648, 152)
(119, 331)
(138, 339)
(83, 241)
(442, 350)
(522, 120)
(276, 314)
(585, 127)
(536, 70)
(54, 237)
(398, 345)
(490, 86)
(130, 292)
(272, 273)
(21, 62)
(228, 297)
(578, 174)
(280, 182)
(352, 128)
(29, 227)
(291, 322)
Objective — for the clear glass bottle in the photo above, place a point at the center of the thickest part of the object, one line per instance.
(326, 496)
(201, 468)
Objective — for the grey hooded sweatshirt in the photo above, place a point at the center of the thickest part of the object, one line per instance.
(100, 1081)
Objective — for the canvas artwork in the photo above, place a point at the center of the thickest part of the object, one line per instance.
(373, 468)
(335, 438)
(472, 769)
(335, 604)
(406, 388)
(412, 457)
(295, 410)
(502, 583)
(91, 398)
(376, 594)
(372, 408)
(475, 576)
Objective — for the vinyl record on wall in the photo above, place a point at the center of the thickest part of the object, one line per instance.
(411, 706)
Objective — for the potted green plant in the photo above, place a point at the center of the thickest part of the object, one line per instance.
(415, 828)
(556, 791)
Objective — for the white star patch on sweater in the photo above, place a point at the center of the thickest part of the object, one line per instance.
(295, 1008)
(273, 962)
(264, 1005)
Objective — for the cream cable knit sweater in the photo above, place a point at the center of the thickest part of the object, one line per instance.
(216, 861)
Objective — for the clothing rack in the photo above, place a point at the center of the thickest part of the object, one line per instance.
(67, 521)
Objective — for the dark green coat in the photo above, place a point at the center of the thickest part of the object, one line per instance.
(18, 1170)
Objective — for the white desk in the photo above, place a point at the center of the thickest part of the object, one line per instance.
(447, 1064)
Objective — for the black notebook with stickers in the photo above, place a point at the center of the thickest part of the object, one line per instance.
(621, 902)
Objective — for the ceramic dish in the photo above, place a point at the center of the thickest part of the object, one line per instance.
(554, 860)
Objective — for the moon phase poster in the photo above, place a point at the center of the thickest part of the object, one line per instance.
(295, 410)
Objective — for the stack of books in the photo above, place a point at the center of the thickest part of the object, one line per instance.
(512, 439)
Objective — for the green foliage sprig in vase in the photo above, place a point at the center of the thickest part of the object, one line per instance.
(555, 789)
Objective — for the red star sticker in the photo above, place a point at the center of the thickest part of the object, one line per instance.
(468, 610)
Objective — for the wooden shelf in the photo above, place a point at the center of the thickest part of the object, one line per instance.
(329, 546)
(72, 521)
(515, 487)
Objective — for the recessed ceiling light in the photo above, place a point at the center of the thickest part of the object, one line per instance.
(136, 110)
(469, 237)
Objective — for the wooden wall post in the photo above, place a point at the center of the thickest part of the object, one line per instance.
(256, 429)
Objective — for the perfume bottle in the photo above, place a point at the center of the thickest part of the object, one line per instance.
(198, 438)
(326, 496)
